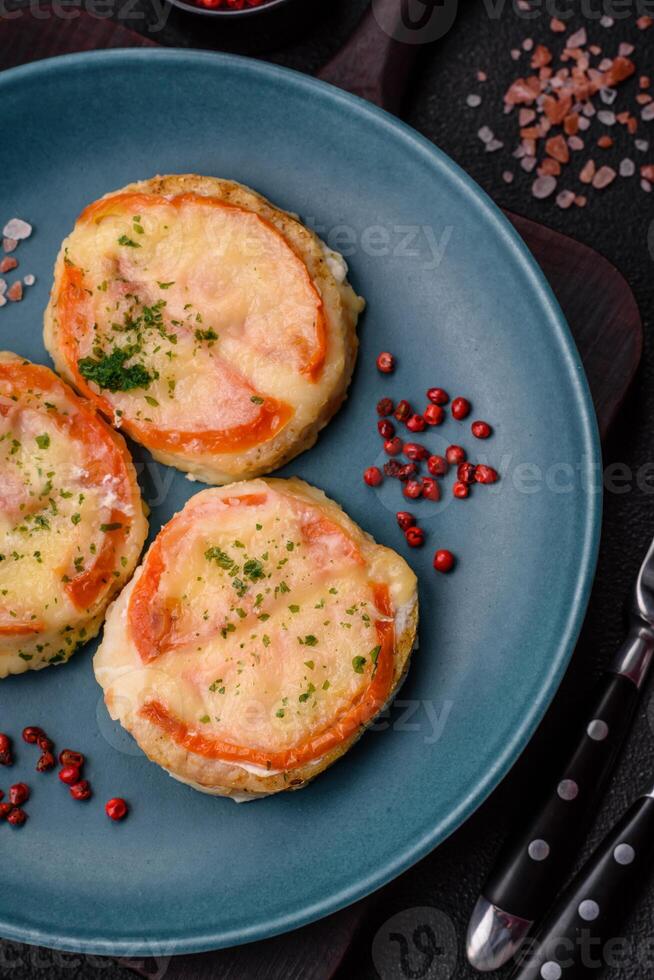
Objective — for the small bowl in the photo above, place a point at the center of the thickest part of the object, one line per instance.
(247, 31)
(229, 14)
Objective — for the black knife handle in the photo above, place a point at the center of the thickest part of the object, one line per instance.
(536, 860)
(577, 940)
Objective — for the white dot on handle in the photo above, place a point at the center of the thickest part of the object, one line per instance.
(598, 730)
(551, 971)
(539, 850)
(624, 854)
(589, 910)
(568, 790)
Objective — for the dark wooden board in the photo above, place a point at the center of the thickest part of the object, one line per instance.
(595, 299)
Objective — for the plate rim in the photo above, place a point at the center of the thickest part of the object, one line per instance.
(204, 941)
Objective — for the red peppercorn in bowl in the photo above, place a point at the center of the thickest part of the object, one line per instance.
(230, 9)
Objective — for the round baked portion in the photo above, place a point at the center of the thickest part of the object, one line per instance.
(71, 519)
(262, 633)
(214, 328)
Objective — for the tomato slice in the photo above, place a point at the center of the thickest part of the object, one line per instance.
(346, 725)
(96, 440)
(273, 415)
(150, 623)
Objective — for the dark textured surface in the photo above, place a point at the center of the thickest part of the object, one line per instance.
(617, 224)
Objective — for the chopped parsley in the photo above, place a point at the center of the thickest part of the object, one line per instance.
(209, 334)
(358, 663)
(109, 370)
(253, 569)
(220, 557)
(43, 441)
(124, 240)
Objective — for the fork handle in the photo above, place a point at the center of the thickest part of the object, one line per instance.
(574, 941)
(536, 859)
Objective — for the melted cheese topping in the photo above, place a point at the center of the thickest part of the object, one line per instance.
(195, 324)
(257, 621)
(70, 521)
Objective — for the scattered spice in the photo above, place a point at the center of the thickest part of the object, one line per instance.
(444, 560)
(116, 809)
(230, 4)
(415, 537)
(386, 363)
(81, 790)
(19, 793)
(405, 520)
(6, 757)
(480, 430)
(15, 230)
(373, 476)
(569, 85)
(69, 775)
(415, 485)
(16, 817)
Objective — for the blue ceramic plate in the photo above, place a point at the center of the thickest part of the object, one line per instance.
(454, 293)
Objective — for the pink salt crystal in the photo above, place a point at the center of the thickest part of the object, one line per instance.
(15, 292)
(29, 279)
(580, 201)
(525, 116)
(603, 177)
(587, 172)
(647, 113)
(625, 50)
(565, 199)
(481, 76)
(515, 54)
(527, 44)
(646, 185)
(542, 187)
(575, 143)
(473, 101)
(606, 21)
(485, 134)
(578, 39)
(528, 163)
(7, 264)
(3, 301)
(507, 177)
(9, 244)
(493, 145)
(627, 168)
(584, 123)
(17, 228)
(605, 64)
